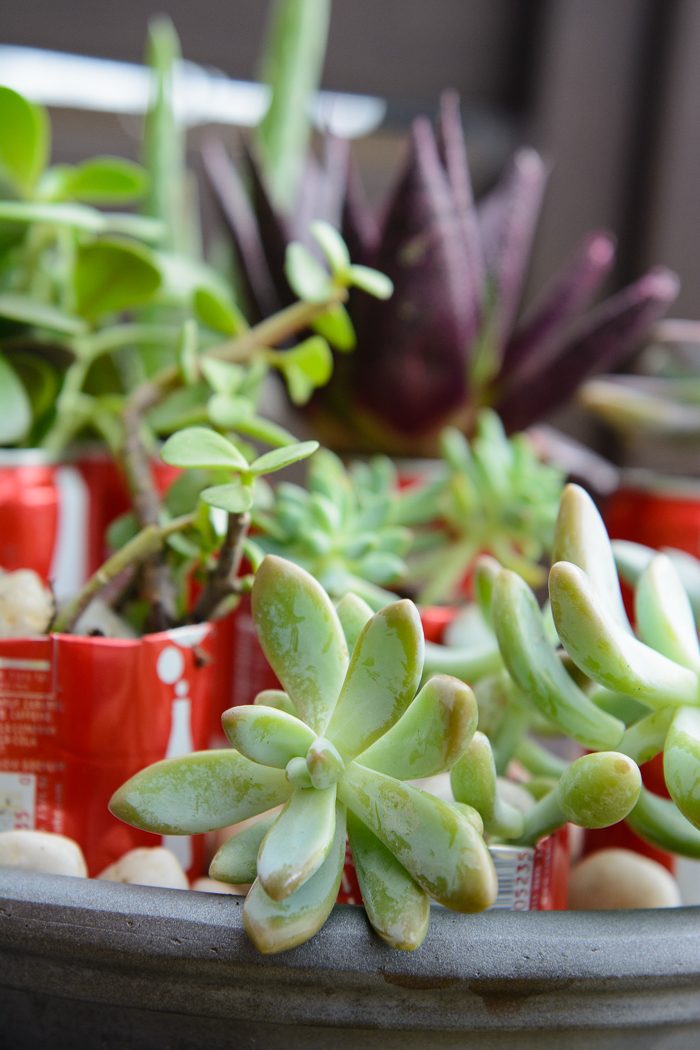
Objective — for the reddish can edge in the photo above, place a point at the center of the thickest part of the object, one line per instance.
(658, 512)
(79, 716)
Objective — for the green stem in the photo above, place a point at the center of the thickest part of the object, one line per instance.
(658, 821)
(544, 818)
(137, 550)
(538, 760)
(645, 739)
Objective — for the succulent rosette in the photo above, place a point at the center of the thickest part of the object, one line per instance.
(334, 749)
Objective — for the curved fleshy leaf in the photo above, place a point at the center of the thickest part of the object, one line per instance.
(267, 735)
(301, 637)
(682, 763)
(658, 821)
(430, 735)
(276, 925)
(382, 679)
(581, 538)
(664, 614)
(353, 613)
(276, 698)
(432, 840)
(298, 842)
(606, 653)
(600, 789)
(236, 861)
(397, 908)
(198, 792)
(474, 782)
(537, 670)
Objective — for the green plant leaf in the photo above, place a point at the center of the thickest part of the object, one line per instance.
(600, 789)
(353, 613)
(397, 908)
(276, 698)
(223, 377)
(81, 217)
(664, 614)
(15, 406)
(40, 379)
(430, 735)
(606, 652)
(187, 352)
(432, 840)
(180, 409)
(682, 762)
(308, 280)
(236, 861)
(25, 140)
(384, 674)
(202, 447)
(235, 497)
(216, 310)
(298, 842)
(279, 458)
(474, 782)
(308, 366)
(336, 328)
(658, 821)
(333, 247)
(267, 735)
(275, 926)
(111, 276)
(371, 281)
(26, 310)
(537, 670)
(100, 180)
(198, 792)
(301, 637)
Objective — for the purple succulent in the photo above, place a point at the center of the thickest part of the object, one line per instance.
(451, 339)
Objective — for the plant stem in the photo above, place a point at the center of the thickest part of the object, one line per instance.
(136, 551)
(221, 582)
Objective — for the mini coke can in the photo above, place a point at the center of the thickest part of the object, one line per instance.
(79, 716)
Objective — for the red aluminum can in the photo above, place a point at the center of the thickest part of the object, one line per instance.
(79, 716)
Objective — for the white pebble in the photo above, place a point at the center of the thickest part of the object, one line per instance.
(215, 886)
(148, 866)
(621, 878)
(26, 604)
(41, 851)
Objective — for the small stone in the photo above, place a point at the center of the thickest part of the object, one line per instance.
(215, 886)
(148, 866)
(42, 851)
(27, 605)
(621, 878)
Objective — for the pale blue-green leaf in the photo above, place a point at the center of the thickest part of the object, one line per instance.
(664, 614)
(332, 245)
(682, 763)
(266, 735)
(298, 842)
(371, 281)
(236, 861)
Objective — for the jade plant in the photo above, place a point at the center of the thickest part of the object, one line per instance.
(335, 750)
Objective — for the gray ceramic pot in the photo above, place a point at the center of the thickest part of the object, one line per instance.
(95, 964)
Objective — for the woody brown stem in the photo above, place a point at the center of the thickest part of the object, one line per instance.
(222, 579)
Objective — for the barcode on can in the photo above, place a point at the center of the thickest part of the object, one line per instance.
(17, 800)
(514, 868)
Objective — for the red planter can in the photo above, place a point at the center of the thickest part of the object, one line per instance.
(78, 716)
(656, 511)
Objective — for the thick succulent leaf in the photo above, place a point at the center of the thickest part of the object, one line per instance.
(198, 792)
(397, 908)
(606, 653)
(353, 613)
(202, 447)
(432, 840)
(537, 670)
(266, 735)
(682, 763)
(276, 925)
(474, 782)
(237, 860)
(600, 789)
(658, 821)
(298, 842)
(581, 538)
(301, 637)
(384, 674)
(664, 614)
(430, 735)
(632, 559)
(645, 739)
(24, 147)
(276, 698)
(15, 406)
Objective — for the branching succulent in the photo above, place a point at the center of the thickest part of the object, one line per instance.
(335, 752)
(341, 527)
(493, 495)
(450, 341)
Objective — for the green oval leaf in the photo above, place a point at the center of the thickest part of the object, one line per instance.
(216, 310)
(24, 142)
(279, 458)
(371, 281)
(100, 180)
(236, 861)
(112, 276)
(266, 734)
(202, 447)
(298, 842)
(307, 278)
(336, 328)
(15, 406)
(332, 245)
(236, 497)
(682, 763)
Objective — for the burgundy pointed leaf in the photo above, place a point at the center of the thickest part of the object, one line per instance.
(239, 218)
(274, 229)
(546, 325)
(607, 336)
(359, 227)
(411, 362)
(453, 153)
(508, 222)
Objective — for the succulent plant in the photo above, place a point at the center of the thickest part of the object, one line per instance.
(341, 526)
(450, 341)
(494, 495)
(335, 751)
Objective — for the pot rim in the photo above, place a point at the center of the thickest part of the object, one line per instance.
(169, 950)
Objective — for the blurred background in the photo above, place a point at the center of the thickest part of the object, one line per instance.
(607, 89)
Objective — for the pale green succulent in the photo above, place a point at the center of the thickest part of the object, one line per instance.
(334, 749)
